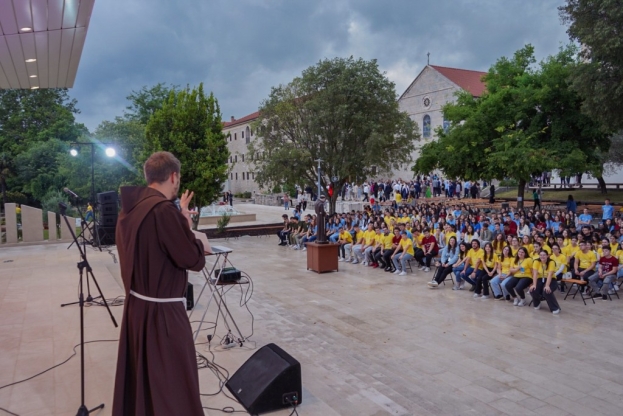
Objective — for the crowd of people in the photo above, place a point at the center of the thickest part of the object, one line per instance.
(508, 252)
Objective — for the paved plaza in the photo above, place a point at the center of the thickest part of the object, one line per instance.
(370, 343)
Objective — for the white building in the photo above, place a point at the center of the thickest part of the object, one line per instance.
(239, 134)
(423, 100)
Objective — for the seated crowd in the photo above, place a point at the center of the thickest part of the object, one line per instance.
(508, 252)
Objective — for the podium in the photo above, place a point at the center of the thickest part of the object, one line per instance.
(322, 258)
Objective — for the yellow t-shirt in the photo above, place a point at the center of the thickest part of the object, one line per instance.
(368, 237)
(614, 247)
(534, 255)
(543, 270)
(498, 251)
(490, 263)
(345, 235)
(387, 241)
(398, 197)
(619, 256)
(407, 246)
(450, 234)
(474, 256)
(547, 248)
(526, 265)
(585, 259)
(529, 247)
(358, 236)
(506, 265)
(378, 238)
(560, 260)
(566, 242)
(513, 250)
(570, 251)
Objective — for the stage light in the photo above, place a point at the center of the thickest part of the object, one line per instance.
(110, 152)
(73, 152)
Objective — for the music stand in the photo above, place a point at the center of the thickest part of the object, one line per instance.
(82, 265)
(214, 283)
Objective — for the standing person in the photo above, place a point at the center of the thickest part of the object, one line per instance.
(544, 284)
(156, 365)
(230, 196)
(366, 192)
(607, 211)
(571, 204)
(536, 195)
(89, 215)
(286, 201)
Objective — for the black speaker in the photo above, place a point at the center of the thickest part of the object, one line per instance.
(108, 210)
(106, 235)
(269, 380)
(109, 197)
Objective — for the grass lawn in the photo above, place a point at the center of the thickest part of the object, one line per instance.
(582, 195)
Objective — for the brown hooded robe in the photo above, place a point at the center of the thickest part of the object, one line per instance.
(156, 365)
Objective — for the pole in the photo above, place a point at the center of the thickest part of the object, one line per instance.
(92, 173)
(319, 185)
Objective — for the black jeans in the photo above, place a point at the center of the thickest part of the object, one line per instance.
(517, 285)
(482, 282)
(283, 235)
(442, 273)
(383, 258)
(550, 298)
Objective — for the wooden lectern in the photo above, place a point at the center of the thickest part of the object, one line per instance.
(322, 258)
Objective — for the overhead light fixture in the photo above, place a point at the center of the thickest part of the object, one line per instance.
(36, 87)
(33, 76)
(26, 29)
(73, 152)
(31, 60)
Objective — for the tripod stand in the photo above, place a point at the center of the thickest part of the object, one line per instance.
(82, 265)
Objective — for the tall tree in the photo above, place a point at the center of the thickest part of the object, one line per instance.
(342, 111)
(189, 126)
(598, 26)
(28, 120)
(528, 121)
(145, 102)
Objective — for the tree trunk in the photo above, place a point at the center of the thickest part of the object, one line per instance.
(602, 185)
(520, 194)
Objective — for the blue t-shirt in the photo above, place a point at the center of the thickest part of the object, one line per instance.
(608, 211)
(585, 218)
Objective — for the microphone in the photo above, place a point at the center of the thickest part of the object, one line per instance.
(70, 193)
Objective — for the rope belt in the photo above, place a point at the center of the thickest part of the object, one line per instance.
(158, 300)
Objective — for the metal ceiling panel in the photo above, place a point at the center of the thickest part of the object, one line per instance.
(7, 17)
(55, 14)
(41, 43)
(84, 13)
(15, 48)
(22, 14)
(59, 29)
(54, 49)
(6, 61)
(67, 42)
(4, 82)
(39, 15)
(76, 51)
(70, 14)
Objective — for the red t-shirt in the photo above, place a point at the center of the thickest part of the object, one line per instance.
(430, 240)
(608, 264)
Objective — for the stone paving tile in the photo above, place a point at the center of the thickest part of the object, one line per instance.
(368, 343)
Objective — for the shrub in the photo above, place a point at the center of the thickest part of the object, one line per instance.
(222, 223)
(50, 203)
(509, 182)
(16, 197)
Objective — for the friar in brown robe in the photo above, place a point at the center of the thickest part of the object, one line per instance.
(156, 366)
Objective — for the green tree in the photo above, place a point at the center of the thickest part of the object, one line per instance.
(145, 102)
(189, 126)
(528, 121)
(597, 25)
(342, 111)
(29, 119)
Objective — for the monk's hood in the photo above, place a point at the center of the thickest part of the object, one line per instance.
(131, 196)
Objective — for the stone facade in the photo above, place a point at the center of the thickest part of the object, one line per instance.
(425, 97)
(239, 134)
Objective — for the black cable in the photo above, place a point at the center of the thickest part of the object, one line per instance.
(8, 411)
(52, 368)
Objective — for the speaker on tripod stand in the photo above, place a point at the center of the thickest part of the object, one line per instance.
(108, 209)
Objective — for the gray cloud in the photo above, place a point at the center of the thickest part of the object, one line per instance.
(241, 48)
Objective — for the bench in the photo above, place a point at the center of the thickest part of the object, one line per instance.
(579, 283)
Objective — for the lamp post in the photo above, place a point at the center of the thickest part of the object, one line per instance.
(110, 152)
(319, 184)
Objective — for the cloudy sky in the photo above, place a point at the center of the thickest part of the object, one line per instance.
(240, 48)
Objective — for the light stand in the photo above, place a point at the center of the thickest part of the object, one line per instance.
(82, 265)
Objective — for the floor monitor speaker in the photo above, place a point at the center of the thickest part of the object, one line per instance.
(269, 380)
(106, 235)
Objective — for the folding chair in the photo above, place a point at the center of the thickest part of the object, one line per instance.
(578, 284)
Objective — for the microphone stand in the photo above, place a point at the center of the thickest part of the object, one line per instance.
(82, 265)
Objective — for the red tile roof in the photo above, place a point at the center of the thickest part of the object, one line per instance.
(470, 81)
(245, 119)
